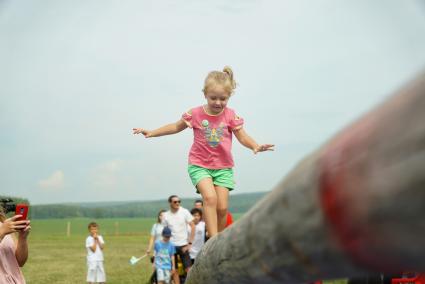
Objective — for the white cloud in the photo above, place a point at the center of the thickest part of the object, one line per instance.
(55, 182)
(106, 176)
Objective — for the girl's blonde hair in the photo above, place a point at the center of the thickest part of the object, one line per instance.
(223, 78)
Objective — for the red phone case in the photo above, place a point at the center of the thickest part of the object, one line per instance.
(22, 209)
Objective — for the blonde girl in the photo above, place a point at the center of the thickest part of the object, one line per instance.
(210, 159)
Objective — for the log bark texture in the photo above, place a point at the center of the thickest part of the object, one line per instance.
(355, 205)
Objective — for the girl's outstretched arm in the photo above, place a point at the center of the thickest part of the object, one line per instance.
(250, 143)
(168, 129)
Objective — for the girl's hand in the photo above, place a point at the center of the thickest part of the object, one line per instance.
(264, 147)
(146, 133)
(11, 225)
(23, 234)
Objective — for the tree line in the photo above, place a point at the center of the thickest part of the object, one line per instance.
(239, 203)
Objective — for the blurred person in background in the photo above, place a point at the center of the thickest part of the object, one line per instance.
(200, 229)
(95, 245)
(156, 235)
(198, 204)
(13, 251)
(156, 231)
(178, 219)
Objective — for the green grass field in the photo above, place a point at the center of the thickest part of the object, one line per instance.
(55, 257)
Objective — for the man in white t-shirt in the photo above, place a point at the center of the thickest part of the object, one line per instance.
(178, 219)
(94, 246)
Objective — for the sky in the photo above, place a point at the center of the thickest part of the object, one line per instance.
(77, 76)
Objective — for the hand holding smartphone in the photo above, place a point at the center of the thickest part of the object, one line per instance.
(22, 209)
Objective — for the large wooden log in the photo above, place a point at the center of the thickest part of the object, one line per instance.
(355, 205)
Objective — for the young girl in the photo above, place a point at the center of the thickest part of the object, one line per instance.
(210, 158)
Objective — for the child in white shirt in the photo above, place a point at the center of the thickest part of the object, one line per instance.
(94, 246)
(199, 239)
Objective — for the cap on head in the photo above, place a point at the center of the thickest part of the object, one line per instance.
(166, 232)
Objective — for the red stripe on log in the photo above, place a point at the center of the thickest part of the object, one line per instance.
(344, 197)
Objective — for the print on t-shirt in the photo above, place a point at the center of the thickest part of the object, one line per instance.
(214, 135)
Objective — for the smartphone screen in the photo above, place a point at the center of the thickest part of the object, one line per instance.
(22, 209)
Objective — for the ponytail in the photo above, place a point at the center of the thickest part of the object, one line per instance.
(224, 78)
(229, 73)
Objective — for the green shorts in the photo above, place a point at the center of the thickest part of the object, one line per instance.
(220, 177)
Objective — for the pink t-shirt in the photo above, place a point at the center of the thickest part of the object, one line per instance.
(212, 141)
(10, 272)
